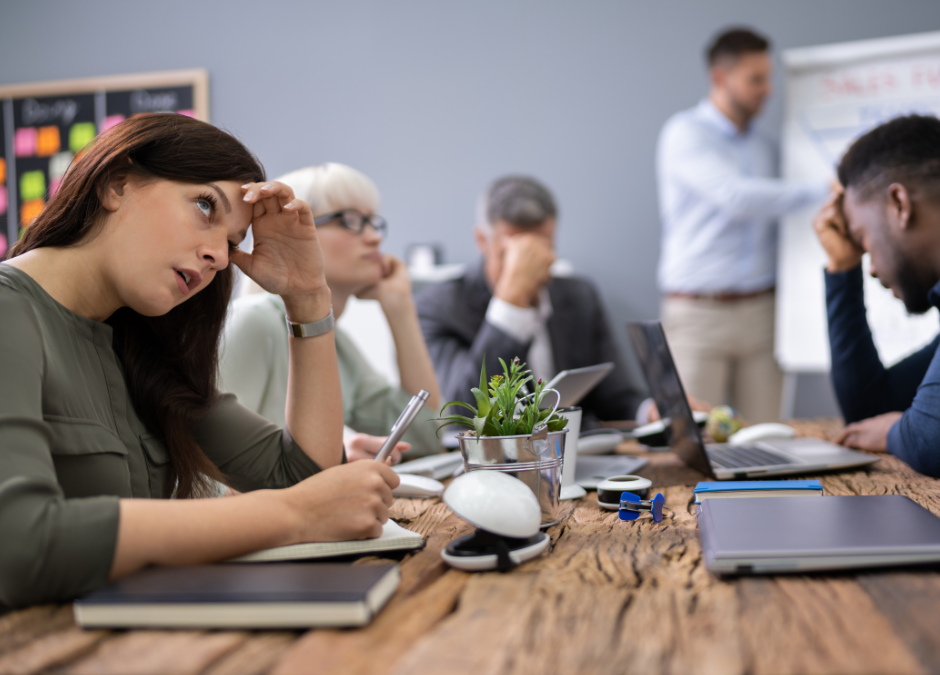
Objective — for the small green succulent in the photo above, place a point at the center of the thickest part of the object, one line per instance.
(496, 414)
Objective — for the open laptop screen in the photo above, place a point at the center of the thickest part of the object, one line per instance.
(649, 340)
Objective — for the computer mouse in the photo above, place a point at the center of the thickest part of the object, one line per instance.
(599, 441)
(760, 432)
(413, 485)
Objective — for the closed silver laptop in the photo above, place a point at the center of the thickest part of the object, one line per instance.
(793, 534)
(776, 457)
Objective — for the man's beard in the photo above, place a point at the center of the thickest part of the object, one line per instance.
(744, 110)
(913, 287)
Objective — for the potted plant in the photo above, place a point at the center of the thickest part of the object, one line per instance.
(510, 432)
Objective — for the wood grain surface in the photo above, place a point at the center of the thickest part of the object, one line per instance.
(608, 597)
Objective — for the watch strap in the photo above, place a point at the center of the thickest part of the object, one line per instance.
(305, 330)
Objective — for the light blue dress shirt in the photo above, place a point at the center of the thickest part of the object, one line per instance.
(719, 203)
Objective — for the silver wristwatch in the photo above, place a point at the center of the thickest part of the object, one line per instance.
(304, 330)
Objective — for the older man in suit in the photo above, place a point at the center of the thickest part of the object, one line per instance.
(509, 305)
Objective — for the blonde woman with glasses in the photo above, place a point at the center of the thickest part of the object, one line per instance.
(254, 363)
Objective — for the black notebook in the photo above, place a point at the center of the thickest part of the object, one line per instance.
(279, 595)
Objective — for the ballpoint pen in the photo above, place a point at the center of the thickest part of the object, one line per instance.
(402, 423)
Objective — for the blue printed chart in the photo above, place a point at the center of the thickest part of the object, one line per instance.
(835, 94)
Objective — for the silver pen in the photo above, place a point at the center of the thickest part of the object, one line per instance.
(402, 423)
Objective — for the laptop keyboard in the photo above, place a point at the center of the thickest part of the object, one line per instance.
(735, 457)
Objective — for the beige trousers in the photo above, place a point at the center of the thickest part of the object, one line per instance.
(724, 351)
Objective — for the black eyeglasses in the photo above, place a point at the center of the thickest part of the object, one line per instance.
(354, 221)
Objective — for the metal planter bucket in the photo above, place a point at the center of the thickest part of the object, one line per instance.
(536, 462)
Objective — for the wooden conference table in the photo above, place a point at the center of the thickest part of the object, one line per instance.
(610, 597)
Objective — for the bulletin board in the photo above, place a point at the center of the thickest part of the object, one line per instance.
(46, 124)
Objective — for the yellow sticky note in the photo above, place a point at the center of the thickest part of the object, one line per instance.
(32, 185)
(80, 135)
(48, 141)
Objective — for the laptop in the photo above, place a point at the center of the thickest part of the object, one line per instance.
(574, 384)
(771, 457)
(794, 534)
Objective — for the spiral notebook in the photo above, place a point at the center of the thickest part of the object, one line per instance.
(394, 537)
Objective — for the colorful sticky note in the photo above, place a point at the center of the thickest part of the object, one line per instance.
(188, 113)
(48, 141)
(80, 135)
(54, 184)
(3, 171)
(3, 199)
(24, 142)
(110, 121)
(32, 186)
(30, 210)
(59, 164)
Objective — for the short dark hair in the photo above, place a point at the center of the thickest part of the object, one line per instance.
(521, 201)
(905, 150)
(734, 43)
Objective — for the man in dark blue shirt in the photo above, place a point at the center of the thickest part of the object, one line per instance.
(889, 207)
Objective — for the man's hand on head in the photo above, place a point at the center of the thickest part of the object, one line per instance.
(870, 434)
(527, 266)
(833, 232)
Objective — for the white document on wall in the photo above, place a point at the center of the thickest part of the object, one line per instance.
(836, 93)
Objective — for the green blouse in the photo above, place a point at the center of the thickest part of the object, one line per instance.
(255, 362)
(71, 445)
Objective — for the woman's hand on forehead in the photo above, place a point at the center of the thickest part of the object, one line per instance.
(286, 259)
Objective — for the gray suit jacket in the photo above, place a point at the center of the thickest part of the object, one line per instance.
(452, 316)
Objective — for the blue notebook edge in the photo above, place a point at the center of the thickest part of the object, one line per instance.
(711, 487)
(738, 485)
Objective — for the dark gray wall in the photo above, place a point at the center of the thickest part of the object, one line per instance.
(434, 99)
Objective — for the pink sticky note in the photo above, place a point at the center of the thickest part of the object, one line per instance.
(3, 202)
(110, 121)
(54, 186)
(24, 142)
(188, 113)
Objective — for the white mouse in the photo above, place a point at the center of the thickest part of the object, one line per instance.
(413, 485)
(760, 432)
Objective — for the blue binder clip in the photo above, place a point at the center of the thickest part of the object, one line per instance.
(631, 506)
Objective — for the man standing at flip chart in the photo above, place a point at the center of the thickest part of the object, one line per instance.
(719, 202)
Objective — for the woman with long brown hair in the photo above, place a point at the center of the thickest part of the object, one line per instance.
(111, 308)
